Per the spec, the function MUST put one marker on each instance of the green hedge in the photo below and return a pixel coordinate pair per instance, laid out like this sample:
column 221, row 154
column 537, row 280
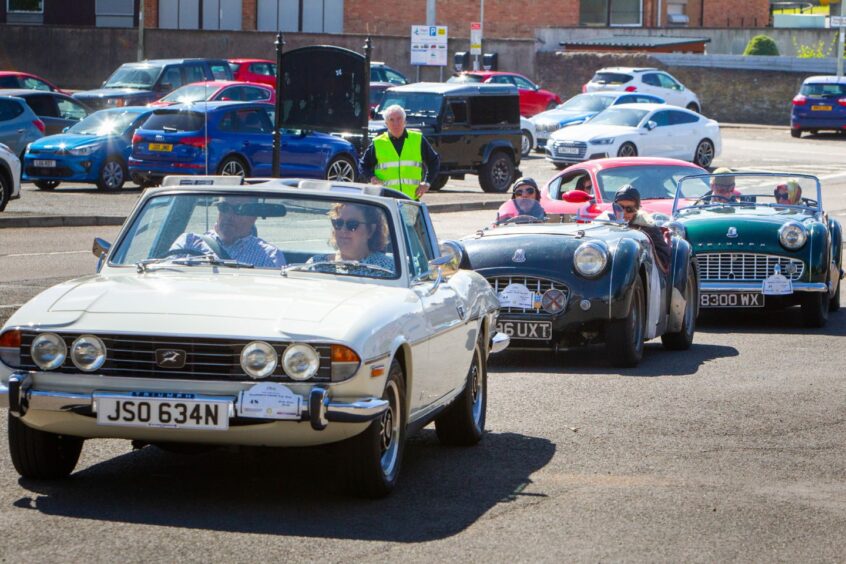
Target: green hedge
column 761, row 45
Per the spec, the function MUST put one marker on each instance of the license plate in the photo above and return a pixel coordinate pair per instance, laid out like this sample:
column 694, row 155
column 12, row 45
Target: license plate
column 568, row 150
column 820, row 108
column 526, row 330
column 731, row 299
column 44, row 164
column 163, row 147
column 168, row 411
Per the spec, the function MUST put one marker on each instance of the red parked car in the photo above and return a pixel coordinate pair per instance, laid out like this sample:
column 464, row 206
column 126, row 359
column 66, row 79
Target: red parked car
column 533, row 98
column 16, row 79
column 254, row 70
column 218, row 90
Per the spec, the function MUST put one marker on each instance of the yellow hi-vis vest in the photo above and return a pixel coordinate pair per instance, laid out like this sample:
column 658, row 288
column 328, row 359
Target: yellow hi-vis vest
column 401, row 172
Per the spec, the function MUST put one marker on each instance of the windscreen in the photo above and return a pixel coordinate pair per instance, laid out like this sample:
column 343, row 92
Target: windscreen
column 611, row 78
column 142, row 77
column 824, row 90
column 653, row 182
column 755, row 193
column 619, row 116
column 104, row 123
column 190, row 93
column 415, row 104
column 587, row 103
column 175, row 121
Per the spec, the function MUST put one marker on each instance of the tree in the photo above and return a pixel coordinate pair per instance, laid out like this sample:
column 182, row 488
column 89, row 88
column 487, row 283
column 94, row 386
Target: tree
column 761, row 45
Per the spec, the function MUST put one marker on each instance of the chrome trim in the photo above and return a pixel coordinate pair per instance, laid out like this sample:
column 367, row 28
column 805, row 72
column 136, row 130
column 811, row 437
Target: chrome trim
column 756, row 287
column 499, row 342
column 746, row 266
column 360, row 411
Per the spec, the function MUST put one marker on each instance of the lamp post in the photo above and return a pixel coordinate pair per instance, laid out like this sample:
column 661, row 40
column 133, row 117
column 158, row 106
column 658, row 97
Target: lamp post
column 141, row 30
column 277, row 118
column 840, row 40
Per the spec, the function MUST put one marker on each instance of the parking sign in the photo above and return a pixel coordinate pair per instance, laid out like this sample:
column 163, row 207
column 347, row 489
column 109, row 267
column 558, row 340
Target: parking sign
column 429, row 45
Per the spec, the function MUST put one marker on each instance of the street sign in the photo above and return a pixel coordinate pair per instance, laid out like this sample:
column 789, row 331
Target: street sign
column 837, row 21
column 476, row 38
column 429, row 45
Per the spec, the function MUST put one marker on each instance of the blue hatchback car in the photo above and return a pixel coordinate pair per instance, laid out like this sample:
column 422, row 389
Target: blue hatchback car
column 233, row 138
column 94, row 150
column 581, row 108
column 820, row 104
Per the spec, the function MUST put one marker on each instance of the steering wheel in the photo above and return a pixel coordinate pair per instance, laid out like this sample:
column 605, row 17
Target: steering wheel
column 189, row 252
column 522, row 218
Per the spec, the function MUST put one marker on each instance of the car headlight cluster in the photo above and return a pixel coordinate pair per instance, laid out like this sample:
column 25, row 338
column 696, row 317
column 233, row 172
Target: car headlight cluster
column 677, row 229
column 591, row 258
column 259, row 359
column 85, row 150
column 49, row 351
column 602, row 141
column 88, row 353
column 300, row 362
column 792, row 235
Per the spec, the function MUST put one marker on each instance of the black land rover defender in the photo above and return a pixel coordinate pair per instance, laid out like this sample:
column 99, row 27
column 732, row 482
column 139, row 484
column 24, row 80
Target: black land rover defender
column 475, row 128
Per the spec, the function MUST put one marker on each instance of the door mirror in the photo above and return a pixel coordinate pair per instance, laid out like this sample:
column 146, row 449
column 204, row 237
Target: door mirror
column 650, row 125
column 575, row 196
column 101, row 249
column 374, row 114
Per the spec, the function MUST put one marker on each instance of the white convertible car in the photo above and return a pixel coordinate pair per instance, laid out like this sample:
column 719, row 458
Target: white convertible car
column 282, row 313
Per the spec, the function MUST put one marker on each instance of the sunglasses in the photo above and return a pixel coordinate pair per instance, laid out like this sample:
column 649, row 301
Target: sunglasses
column 350, row 224
column 781, row 196
column 629, row 209
column 525, row 191
column 224, row 207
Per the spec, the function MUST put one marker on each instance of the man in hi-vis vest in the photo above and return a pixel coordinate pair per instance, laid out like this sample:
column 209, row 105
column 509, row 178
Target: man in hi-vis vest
column 396, row 158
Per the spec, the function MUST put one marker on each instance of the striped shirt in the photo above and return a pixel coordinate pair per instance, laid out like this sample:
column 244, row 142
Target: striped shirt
column 249, row 249
column 376, row 259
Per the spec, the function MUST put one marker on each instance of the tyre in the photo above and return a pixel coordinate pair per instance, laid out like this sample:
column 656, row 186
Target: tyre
column 693, row 107
column 624, row 337
column 552, row 105
column 39, row 455
column 46, row 184
column 112, row 175
column 439, row 183
column 704, row 154
column 463, row 422
column 681, row 340
column 796, row 133
column 815, row 309
column 374, row 457
column 834, row 302
column 233, row 166
column 341, row 168
column 627, row 150
column 496, row 174
column 5, row 191
column 559, row 166
column 528, row 143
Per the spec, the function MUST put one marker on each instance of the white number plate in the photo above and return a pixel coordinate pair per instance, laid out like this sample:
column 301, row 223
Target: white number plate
column 168, row 411
column 731, row 299
column 568, row 150
column 526, row 330
column 44, row 164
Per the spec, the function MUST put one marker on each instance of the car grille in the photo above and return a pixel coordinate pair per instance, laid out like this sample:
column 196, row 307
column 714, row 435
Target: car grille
column 206, row 359
column 746, row 266
column 569, row 150
column 536, row 285
column 58, row 172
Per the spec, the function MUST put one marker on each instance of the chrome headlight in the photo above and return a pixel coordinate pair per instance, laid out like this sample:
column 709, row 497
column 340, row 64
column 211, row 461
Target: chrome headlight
column 85, row 150
column 677, row 229
column 591, row 258
column 602, row 141
column 258, row 359
column 88, row 353
column 48, row 351
column 792, row 235
column 300, row 361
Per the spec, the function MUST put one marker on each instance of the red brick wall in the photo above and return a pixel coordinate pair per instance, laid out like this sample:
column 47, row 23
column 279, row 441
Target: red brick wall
column 248, row 15
column 151, row 13
column 731, row 13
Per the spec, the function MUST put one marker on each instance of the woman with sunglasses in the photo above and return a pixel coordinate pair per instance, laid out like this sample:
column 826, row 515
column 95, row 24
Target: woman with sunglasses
column 788, row 193
column 525, row 200
column 628, row 199
column 359, row 233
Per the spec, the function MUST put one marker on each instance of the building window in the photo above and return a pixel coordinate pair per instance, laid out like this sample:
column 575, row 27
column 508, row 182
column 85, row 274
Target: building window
column 611, row 12
column 115, row 13
column 25, row 6
column 200, row 14
column 309, row 16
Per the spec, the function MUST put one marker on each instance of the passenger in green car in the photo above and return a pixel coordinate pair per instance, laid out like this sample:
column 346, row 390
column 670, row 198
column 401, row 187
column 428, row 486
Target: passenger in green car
column 788, row 193
column 722, row 187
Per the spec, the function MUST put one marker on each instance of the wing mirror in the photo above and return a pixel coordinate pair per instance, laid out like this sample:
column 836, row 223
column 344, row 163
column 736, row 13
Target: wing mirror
column 452, row 254
column 101, row 249
column 575, row 196
column 650, row 125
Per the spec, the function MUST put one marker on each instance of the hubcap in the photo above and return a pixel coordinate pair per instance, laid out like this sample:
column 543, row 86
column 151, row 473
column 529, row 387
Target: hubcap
column 500, row 173
column 112, row 175
column 232, row 168
column 627, row 151
column 705, row 154
column 389, row 431
column 340, row 170
column 526, row 144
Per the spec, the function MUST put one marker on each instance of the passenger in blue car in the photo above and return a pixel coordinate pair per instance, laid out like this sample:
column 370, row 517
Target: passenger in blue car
column 628, row 198
column 360, row 233
column 233, row 237
column 525, row 200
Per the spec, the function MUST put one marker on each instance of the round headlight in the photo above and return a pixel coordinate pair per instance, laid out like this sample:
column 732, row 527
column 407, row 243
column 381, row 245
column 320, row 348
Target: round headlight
column 48, row 351
column 553, row 300
column 300, row 362
column 88, row 353
column 677, row 229
column 258, row 359
column 590, row 258
column 792, row 235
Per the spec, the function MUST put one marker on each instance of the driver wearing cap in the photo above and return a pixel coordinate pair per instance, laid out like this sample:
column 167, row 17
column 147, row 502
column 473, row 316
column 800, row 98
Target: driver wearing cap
column 722, row 187
column 525, row 200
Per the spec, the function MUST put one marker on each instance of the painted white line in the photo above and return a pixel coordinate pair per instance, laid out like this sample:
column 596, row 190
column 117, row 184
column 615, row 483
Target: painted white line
column 46, row 254
column 10, row 306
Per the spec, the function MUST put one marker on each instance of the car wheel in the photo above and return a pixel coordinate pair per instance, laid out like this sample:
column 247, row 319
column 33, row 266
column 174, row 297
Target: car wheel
column 796, row 132
column 834, row 302
column 496, row 174
column 627, row 150
column 112, row 175
column 374, row 457
column 693, row 107
column 681, row 340
column 342, row 169
column 559, row 166
column 704, row 154
column 439, row 183
column 624, row 337
column 39, row 455
column 46, row 184
column 528, row 143
column 552, row 105
column 233, row 166
column 463, row 422
column 5, row 191
column 815, row 309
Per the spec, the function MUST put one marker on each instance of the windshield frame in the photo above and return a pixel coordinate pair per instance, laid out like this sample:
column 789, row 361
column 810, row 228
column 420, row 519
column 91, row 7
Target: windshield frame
column 156, row 69
column 423, row 95
column 620, row 109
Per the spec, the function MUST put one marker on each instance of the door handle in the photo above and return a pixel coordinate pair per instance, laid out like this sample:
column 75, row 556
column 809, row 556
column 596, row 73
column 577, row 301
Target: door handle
column 20, row 130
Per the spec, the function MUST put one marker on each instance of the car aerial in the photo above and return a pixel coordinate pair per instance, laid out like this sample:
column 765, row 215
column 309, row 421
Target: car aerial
column 581, row 108
column 820, row 105
column 215, row 90
column 232, row 138
column 56, row 111
column 563, row 285
column 137, row 84
column 654, row 130
column 529, row 133
column 166, row 345
column 94, row 150
column 755, row 251
column 533, row 98
column 19, row 126
column 380, row 72
column 26, row 81
column 588, row 188
column 648, row 80
column 10, row 176
column 475, row 128
column 262, row 71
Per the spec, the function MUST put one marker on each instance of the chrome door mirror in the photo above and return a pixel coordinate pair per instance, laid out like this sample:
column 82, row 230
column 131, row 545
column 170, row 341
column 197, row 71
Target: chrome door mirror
column 101, row 249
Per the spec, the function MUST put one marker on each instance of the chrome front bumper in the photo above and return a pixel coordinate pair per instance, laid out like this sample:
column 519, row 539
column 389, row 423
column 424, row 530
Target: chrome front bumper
column 319, row 408
column 756, row 287
column 499, row 342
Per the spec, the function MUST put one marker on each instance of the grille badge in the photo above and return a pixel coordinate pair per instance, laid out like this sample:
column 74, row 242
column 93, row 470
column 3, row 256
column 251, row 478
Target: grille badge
column 170, row 358
column 732, row 233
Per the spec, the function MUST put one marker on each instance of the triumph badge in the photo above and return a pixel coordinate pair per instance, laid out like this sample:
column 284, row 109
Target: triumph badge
column 732, row 233
column 170, row 358
column 519, row 256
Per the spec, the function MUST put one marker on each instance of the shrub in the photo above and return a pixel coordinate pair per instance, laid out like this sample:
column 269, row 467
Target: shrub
column 761, row 45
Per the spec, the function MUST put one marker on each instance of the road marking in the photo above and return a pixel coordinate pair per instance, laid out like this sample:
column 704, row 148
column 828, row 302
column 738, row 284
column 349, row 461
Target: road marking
column 10, row 306
column 45, row 254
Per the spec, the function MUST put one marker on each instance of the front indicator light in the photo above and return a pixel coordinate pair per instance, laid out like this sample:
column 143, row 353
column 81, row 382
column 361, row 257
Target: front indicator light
column 345, row 363
column 48, row 351
column 10, row 348
column 88, row 353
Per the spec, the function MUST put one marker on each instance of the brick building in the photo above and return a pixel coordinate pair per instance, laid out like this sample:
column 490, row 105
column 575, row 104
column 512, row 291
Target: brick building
column 502, row 18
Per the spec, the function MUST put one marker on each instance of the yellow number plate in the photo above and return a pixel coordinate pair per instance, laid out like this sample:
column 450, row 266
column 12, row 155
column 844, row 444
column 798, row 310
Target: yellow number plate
column 821, row 108
column 166, row 147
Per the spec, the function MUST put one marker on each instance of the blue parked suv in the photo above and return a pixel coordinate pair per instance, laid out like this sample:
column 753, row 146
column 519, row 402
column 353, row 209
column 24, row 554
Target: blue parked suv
column 232, row 138
column 820, row 104
column 94, row 150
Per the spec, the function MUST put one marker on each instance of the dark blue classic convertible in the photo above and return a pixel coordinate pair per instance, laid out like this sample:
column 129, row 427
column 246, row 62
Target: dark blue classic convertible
column 562, row 285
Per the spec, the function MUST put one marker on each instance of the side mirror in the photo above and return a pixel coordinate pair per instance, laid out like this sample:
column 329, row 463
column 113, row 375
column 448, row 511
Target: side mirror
column 65, row 129
column 575, row 196
column 101, row 249
column 165, row 87
column 453, row 252
column 650, row 125
column 374, row 114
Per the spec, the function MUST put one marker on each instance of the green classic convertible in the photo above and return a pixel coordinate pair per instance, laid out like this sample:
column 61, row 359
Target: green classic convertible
column 761, row 240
